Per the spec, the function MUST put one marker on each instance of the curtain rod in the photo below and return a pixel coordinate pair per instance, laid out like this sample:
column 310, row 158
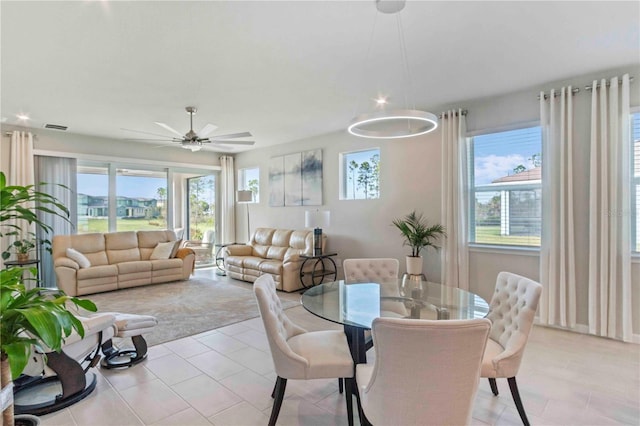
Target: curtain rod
column 463, row 112
column 10, row 133
column 557, row 93
column 589, row 88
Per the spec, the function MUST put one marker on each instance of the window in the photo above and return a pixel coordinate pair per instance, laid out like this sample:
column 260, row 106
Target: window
column 505, row 190
column 201, row 208
column 635, row 200
column 360, row 175
column 249, row 179
column 137, row 200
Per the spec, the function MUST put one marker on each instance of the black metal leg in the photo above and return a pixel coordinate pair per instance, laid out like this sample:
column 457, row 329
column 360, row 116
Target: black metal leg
column 70, row 373
column 141, row 347
column 516, row 398
column 340, row 385
column 494, row 386
column 357, row 345
column 349, row 388
column 281, row 384
column 273, row 392
column 363, row 419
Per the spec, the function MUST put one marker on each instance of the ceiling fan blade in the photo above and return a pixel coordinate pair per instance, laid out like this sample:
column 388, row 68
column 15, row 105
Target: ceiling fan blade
column 206, row 130
column 232, row 136
column 166, row 127
column 226, row 142
column 146, row 133
column 149, row 140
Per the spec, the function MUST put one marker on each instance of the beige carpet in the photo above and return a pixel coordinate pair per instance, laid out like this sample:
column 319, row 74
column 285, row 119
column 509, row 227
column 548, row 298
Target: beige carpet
column 184, row 308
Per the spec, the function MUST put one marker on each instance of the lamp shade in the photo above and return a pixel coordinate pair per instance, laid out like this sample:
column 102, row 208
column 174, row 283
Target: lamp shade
column 317, row 218
column 244, row 196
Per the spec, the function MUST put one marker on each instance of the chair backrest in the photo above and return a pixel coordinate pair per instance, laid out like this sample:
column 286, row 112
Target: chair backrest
column 425, row 371
column 279, row 329
column 370, row 270
column 512, row 311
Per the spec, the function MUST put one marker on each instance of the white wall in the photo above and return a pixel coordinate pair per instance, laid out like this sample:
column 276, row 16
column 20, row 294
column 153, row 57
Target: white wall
column 411, row 179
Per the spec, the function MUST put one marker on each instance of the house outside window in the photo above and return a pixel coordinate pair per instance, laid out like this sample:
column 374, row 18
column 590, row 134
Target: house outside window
column 360, row 174
column 249, row 179
column 506, row 188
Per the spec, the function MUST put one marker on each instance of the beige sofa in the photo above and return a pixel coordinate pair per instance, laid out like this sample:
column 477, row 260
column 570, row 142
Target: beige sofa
column 117, row 260
column 271, row 251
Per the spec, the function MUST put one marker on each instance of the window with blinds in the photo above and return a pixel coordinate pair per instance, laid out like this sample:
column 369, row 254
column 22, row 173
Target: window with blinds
column 505, row 172
column 635, row 173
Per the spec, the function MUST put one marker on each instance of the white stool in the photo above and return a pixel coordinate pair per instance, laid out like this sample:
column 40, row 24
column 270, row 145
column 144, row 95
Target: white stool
column 128, row 325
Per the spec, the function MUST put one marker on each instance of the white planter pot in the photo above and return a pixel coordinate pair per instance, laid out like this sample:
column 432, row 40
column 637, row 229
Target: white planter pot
column 414, row 265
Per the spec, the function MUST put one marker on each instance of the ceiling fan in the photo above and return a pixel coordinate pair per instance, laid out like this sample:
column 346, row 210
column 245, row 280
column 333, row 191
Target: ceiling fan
column 194, row 141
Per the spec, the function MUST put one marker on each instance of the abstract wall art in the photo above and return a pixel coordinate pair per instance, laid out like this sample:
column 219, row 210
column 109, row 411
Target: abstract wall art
column 296, row 179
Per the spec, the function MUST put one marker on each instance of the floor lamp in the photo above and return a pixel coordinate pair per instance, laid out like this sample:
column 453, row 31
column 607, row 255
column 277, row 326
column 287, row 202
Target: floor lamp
column 245, row 196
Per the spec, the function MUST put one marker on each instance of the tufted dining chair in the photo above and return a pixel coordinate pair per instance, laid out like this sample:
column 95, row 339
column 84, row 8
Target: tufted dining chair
column 511, row 311
column 425, row 371
column 378, row 270
column 298, row 353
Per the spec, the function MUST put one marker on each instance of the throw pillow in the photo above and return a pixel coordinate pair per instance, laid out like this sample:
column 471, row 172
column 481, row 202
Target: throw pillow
column 176, row 246
column 78, row 257
column 162, row 250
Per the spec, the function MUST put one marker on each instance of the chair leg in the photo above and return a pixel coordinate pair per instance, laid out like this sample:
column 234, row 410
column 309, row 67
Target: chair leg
column 363, row 419
column 273, row 392
column 340, row 385
column 281, row 384
column 494, row 386
column 516, row 398
column 349, row 396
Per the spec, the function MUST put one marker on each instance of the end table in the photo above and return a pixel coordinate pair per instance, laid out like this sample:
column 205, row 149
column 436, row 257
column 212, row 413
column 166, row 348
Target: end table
column 220, row 258
column 324, row 266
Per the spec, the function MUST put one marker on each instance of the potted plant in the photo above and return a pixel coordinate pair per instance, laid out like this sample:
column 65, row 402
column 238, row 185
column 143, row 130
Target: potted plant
column 21, row 247
column 418, row 235
column 29, row 317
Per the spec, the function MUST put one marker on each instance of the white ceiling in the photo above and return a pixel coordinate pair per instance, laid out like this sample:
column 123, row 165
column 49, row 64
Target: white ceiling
column 286, row 70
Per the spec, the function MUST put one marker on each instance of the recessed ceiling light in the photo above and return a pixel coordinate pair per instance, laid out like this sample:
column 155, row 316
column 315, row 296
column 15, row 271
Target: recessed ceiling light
column 22, row 116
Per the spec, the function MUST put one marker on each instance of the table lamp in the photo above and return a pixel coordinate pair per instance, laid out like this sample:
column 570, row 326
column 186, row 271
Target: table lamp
column 245, row 196
column 317, row 219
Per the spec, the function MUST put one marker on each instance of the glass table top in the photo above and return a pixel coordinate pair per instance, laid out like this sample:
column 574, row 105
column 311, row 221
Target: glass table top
column 358, row 304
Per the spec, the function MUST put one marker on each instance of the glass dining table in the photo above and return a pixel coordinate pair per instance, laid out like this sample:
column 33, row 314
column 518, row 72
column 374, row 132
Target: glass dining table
column 356, row 305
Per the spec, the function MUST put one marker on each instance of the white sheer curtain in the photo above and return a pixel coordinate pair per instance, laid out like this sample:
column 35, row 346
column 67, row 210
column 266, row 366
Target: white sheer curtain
column 455, row 269
column 51, row 172
column 609, row 207
column 228, row 214
column 557, row 251
column 21, row 170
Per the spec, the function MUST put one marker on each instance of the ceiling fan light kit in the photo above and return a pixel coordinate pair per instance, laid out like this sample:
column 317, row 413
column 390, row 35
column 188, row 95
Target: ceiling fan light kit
column 393, row 124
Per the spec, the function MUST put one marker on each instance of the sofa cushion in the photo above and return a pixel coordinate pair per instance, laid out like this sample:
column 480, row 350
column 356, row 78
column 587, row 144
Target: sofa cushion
column 299, row 239
column 92, row 246
column 281, row 237
column 78, row 257
column 148, row 240
column 133, row 267
column 275, row 252
column 122, row 247
column 252, row 262
column 271, row 267
column 98, row 272
column 160, row 264
column 263, row 236
column 163, row 250
column 260, row 251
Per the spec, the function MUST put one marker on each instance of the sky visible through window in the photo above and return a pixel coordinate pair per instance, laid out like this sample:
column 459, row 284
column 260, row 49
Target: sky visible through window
column 145, row 187
column 497, row 154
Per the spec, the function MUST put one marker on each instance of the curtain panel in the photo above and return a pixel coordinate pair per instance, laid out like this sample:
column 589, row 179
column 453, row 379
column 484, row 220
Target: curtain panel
column 21, row 169
column 228, row 214
column 557, row 251
column 51, row 173
column 455, row 250
column 610, row 312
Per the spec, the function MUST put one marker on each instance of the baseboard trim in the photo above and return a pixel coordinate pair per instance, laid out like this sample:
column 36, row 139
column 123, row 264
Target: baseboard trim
column 584, row 329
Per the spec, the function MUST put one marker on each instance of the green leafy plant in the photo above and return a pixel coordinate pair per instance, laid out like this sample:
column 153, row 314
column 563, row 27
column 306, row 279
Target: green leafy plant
column 33, row 317
column 22, row 246
column 417, row 233
column 30, row 317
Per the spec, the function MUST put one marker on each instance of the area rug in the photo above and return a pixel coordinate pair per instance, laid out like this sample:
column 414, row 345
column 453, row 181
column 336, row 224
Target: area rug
column 184, row 308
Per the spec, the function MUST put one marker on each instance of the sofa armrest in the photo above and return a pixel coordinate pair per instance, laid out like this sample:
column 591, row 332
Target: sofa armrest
column 238, row 250
column 65, row 261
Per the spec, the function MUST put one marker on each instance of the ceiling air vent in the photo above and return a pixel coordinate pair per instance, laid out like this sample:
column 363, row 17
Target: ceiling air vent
column 55, row 127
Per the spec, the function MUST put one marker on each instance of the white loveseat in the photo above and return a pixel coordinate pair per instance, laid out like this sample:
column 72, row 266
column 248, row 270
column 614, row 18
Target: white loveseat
column 271, row 251
column 117, row 260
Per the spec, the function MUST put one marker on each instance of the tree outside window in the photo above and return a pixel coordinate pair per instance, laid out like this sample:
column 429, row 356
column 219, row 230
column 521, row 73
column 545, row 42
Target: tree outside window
column 361, row 175
column 249, row 179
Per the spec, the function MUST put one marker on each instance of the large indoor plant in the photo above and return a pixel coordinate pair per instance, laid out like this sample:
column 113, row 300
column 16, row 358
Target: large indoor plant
column 29, row 317
column 418, row 234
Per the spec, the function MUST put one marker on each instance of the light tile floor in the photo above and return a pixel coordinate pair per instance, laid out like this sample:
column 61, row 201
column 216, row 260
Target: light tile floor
column 225, row 377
